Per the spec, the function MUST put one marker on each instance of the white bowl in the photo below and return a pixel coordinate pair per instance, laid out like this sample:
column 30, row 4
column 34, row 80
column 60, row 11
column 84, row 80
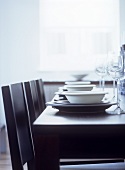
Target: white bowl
column 79, row 76
column 77, row 82
column 87, row 97
column 80, row 87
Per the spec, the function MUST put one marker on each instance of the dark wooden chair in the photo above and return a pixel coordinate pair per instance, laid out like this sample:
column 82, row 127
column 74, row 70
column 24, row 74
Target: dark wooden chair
column 41, row 94
column 20, row 135
column 18, row 127
column 35, row 98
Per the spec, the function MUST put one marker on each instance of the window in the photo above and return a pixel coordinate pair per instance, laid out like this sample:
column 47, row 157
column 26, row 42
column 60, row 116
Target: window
column 73, row 33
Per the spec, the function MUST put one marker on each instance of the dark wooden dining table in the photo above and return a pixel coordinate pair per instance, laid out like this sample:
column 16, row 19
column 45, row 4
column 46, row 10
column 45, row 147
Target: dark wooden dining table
column 78, row 135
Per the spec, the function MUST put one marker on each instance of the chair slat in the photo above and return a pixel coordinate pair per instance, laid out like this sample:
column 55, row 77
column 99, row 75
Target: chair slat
column 35, row 98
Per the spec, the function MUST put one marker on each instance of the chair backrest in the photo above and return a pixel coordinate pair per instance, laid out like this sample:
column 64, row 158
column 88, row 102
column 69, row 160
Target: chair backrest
column 29, row 99
column 18, row 127
column 41, row 94
column 35, row 97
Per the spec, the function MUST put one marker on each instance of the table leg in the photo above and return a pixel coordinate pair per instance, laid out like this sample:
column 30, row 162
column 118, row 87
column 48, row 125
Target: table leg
column 46, row 152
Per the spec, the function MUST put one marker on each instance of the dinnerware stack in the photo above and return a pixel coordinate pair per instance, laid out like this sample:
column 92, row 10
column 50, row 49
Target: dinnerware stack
column 83, row 93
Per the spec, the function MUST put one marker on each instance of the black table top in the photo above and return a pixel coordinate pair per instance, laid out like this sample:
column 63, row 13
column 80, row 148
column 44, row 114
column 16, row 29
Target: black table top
column 53, row 121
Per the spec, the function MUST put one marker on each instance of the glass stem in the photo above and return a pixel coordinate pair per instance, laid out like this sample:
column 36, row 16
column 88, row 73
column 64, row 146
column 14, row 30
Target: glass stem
column 100, row 83
column 103, row 83
column 113, row 88
column 118, row 101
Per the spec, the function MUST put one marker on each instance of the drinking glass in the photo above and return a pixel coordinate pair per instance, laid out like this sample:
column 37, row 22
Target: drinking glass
column 101, row 71
column 111, row 57
column 115, row 68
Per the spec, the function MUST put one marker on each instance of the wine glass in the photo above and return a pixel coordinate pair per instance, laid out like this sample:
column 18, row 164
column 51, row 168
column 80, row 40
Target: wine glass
column 115, row 68
column 111, row 57
column 101, row 70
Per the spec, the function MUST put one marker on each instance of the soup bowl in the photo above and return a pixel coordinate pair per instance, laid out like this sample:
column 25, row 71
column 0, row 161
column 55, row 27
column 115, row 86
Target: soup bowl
column 81, row 87
column 85, row 97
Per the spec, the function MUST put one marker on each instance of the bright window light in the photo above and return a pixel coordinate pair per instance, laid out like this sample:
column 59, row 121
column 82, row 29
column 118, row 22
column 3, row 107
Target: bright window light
column 73, row 33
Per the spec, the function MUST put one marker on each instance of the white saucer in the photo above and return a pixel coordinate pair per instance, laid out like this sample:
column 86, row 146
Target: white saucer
column 77, row 82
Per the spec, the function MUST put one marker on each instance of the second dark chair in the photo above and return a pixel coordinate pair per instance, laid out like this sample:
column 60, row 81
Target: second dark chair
column 41, row 94
column 34, row 92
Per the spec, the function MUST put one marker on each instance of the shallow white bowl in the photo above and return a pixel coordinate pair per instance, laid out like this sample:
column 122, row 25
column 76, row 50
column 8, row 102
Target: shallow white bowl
column 79, row 76
column 77, row 82
column 80, row 87
column 86, row 97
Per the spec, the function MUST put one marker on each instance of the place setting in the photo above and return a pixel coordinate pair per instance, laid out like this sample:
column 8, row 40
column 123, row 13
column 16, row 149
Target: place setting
column 81, row 97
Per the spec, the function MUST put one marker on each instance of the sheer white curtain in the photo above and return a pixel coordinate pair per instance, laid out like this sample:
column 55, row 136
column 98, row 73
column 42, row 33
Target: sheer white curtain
column 74, row 32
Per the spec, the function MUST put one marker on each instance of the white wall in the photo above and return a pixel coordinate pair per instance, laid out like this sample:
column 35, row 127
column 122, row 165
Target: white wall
column 122, row 23
column 19, row 42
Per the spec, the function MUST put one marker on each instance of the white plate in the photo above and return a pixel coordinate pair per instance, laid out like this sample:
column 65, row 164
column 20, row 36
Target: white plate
column 77, row 82
column 65, row 106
